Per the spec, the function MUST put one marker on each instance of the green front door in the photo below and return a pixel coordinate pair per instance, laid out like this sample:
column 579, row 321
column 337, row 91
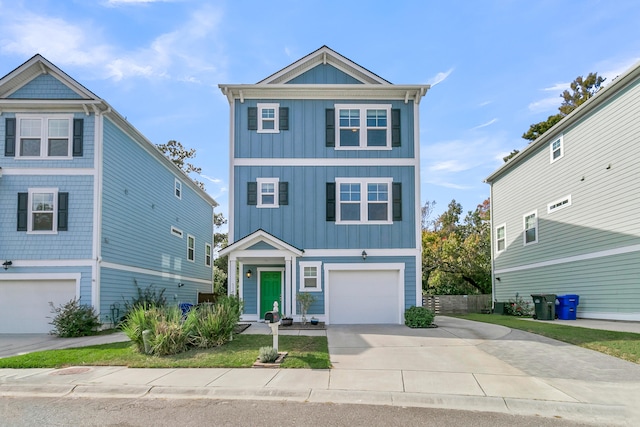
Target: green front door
column 270, row 291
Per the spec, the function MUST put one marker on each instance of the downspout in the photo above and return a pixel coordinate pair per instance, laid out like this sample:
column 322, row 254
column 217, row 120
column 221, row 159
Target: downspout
column 493, row 280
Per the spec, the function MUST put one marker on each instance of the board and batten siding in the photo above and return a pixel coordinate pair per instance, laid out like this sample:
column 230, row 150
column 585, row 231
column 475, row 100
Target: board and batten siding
column 324, row 74
column 305, row 138
column 599, row 170
column 302, row 223
column 139, row 209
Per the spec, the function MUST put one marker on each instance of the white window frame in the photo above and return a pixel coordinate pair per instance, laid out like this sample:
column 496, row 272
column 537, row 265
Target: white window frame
column 276, row 193
column 276, row 118
column 44, row 136
column 175, row 231
column 364, row 199
column 535, row 227
column 498, row 239
column 191, row 249
column 559, row 204
column 560, row 140
column 363, row 125
column 54, row 225
column 177, row 189
column 311, row 264
column 208, row 254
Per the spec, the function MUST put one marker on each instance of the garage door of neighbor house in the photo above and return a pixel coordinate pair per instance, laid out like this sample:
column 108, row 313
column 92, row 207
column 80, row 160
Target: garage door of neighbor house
column 364, row 296
column 24, row 304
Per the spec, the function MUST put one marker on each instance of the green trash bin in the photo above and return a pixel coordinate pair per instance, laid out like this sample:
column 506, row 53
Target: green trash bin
column 545, row 306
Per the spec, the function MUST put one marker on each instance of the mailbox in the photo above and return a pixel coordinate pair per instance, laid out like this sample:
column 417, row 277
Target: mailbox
column 272, row 317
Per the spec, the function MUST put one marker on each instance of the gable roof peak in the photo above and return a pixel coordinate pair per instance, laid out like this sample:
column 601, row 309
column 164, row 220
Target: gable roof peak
column 324, row 55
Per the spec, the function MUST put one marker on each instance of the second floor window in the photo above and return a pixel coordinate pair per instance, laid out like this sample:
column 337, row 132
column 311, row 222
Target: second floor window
column 531, row 228
column 44, row 136
column 268, row 118
column 364, row 200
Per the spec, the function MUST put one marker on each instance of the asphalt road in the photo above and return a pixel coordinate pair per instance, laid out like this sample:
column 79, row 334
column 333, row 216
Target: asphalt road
column 67, row 411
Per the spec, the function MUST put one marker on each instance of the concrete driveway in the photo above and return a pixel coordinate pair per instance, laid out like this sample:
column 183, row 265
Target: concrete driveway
column 16, row 344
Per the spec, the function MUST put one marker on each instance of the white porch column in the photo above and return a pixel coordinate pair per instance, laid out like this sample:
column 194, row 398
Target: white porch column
column 287, row 310
column 231, row 277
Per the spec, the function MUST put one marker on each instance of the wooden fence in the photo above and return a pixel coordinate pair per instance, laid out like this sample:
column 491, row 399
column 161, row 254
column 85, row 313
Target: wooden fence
column 456, row 304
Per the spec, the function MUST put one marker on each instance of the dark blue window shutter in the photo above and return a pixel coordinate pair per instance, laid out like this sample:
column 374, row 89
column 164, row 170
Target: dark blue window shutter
column 10, row 138
column 397, row 201
column 284, row 118
column 63, row 211
column 23, row 211
column 283, row 193
column 78, row 132
column 331, row 201
column 252, row 115
column 330, row 136
column 252, row 193
column 395, row 128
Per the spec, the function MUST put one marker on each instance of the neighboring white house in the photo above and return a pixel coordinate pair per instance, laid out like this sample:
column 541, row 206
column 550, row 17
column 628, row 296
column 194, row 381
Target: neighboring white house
column 566, row 210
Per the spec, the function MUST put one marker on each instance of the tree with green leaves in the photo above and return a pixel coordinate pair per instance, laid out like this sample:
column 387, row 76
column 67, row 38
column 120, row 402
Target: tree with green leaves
column 456, row 255
column 579, row 92
column 178, row 154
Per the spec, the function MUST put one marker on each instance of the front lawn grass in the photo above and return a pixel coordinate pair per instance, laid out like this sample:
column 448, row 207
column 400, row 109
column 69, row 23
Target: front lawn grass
column 624, row 345
column 242, row 352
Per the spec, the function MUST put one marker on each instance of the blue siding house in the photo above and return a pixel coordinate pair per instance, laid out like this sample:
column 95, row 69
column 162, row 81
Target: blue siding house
column 325, row 192
column 89, row 208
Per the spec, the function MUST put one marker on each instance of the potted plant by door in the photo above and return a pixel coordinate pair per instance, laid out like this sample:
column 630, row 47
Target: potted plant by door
column 287, row 321
column 314, row 321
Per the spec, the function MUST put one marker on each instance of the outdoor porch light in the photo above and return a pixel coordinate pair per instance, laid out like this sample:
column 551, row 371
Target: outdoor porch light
column 249, row 274
column 6, row 264
column 364, row 255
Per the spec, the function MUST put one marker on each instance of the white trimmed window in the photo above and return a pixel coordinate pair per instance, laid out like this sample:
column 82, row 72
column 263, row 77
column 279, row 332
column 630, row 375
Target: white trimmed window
column 559, row 204
column 268, row 192
column 363, row 126
column 44, row 136
column 178, row 189
column 268, row 118
column 176, row 232
column 501, row 238
column 365, row 200
column 43, row 210
column 310, row 276
column 530, row 221
column 556, row 149
column 207, row 254
column 191, row 248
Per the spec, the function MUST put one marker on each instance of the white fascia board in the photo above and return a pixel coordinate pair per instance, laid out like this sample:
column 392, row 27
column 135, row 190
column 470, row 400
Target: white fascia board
column 387, row 252
column 315, row 91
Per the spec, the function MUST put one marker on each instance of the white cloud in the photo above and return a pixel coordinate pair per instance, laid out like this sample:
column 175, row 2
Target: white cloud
column 213, row 180
column 558, row 87
column 185, row 54
column 546, row 104
column 489, row 123
column 440, row 77
column 119, row 2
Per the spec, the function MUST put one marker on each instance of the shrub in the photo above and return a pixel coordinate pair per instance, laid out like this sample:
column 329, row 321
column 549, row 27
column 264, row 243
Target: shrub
column 147, row 298
column 137, row 321
column 267, row 354
column 74, row 320
column 518, row 307
column 168, row 336
column 418, row 317
column 305, row 300
column 212, row 325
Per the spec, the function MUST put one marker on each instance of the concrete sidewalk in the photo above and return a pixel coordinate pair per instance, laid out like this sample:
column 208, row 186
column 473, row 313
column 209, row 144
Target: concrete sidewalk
column 459, row 365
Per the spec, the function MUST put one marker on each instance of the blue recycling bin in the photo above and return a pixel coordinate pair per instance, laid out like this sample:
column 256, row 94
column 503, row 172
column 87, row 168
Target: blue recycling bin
column 567, row 306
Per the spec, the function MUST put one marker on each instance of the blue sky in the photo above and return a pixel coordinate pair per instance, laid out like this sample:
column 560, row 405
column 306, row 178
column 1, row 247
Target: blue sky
column 495, row 66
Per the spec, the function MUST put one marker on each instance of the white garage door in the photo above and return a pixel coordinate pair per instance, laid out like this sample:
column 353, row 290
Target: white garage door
column 24, row 304
column 364, row 297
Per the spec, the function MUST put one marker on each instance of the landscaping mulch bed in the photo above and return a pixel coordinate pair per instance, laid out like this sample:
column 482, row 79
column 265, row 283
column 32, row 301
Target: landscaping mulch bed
column 240, row 328
column 297, row 325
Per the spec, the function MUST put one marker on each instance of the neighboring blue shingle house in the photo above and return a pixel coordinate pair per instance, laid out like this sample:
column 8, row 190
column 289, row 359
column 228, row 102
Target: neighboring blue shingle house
column 88, row 206
column 325, row 192
column 565, row 209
